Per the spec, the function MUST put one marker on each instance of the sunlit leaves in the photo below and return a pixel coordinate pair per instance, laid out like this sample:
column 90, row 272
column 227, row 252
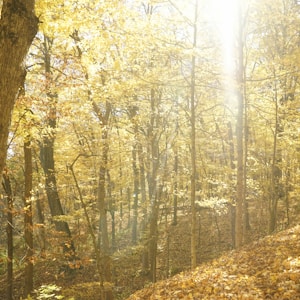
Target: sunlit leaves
column 266, row 269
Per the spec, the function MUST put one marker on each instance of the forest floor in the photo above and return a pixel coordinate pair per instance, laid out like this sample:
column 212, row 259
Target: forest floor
column 265, row 269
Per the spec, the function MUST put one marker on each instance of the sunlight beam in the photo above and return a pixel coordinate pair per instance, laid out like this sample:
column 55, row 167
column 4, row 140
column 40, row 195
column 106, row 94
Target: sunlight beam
column 224, row 15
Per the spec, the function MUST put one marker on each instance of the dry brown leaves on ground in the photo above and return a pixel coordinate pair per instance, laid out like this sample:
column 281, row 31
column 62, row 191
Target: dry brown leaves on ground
column 266, row 269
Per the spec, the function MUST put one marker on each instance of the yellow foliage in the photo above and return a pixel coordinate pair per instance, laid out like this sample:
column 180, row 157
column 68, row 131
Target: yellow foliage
column 252, row 273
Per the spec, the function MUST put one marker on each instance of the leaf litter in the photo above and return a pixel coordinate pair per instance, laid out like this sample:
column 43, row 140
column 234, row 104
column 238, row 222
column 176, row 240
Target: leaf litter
column 266, row 269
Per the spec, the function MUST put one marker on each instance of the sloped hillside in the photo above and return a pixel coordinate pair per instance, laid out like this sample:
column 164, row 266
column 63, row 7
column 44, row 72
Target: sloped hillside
column 266, row 269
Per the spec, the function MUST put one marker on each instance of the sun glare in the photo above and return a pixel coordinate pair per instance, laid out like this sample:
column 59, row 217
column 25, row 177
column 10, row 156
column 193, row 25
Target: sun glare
column 222, row 18
column 224, row 14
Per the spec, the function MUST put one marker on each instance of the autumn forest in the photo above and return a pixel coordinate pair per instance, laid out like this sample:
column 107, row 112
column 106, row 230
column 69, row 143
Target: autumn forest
column 148, row 138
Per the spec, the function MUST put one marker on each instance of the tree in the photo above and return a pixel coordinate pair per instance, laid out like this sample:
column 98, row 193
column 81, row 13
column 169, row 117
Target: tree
column 28, row 222
column 47, row 154
column 240, row 85
column 275, row 74
column 9, row 228
column 193, row 144
column 132, row 114
column 154, row 184
column 148, row 106
column 18, row 26
column 103, row 238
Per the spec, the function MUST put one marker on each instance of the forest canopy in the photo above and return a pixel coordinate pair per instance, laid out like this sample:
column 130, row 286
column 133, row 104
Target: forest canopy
column 137, row 118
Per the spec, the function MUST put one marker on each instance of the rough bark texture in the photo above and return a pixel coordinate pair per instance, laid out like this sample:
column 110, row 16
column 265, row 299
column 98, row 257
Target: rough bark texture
column 47, row 161
column 18, row 26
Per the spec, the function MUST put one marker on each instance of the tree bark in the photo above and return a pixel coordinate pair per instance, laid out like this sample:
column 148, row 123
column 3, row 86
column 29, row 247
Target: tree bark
column 28, row 223
column 276, row 172
column 240, row 193
column 144, row 204
column 154, row 158
column 132, row 112
column 9, row 228
column 41, row 221
column 193, row 148
column 103, row 239
column 232, row 166
column 47, row 158
column 134, row 233
column 18, row 26
column 175, row 169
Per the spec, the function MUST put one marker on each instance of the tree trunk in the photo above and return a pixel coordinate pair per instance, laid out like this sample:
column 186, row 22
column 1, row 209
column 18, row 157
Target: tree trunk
column 47, row 161
column 276, row 172
column 103, row 239
column 132, row 112
column 112, row 209
column 232, row 166
column 175, row 169
column 240, row 134
column 153, row 138
column 90, row 228
column 287, row 189
column 28, row 223
column 175, row 193
column 9, row 228
column 193, row 149
column 18, row 27
column 135, row 195
column 41, row 220
column 153, row 235
column 144, row 204
column 47, row 158
column 246, row 224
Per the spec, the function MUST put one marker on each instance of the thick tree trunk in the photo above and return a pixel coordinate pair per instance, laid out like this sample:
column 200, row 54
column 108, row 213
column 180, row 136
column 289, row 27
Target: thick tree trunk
column 47, row 158
column 47, row 161
column 18, row 26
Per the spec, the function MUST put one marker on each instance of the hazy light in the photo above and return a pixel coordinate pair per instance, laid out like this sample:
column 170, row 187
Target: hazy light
column 221, row 16
column 224, row 14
